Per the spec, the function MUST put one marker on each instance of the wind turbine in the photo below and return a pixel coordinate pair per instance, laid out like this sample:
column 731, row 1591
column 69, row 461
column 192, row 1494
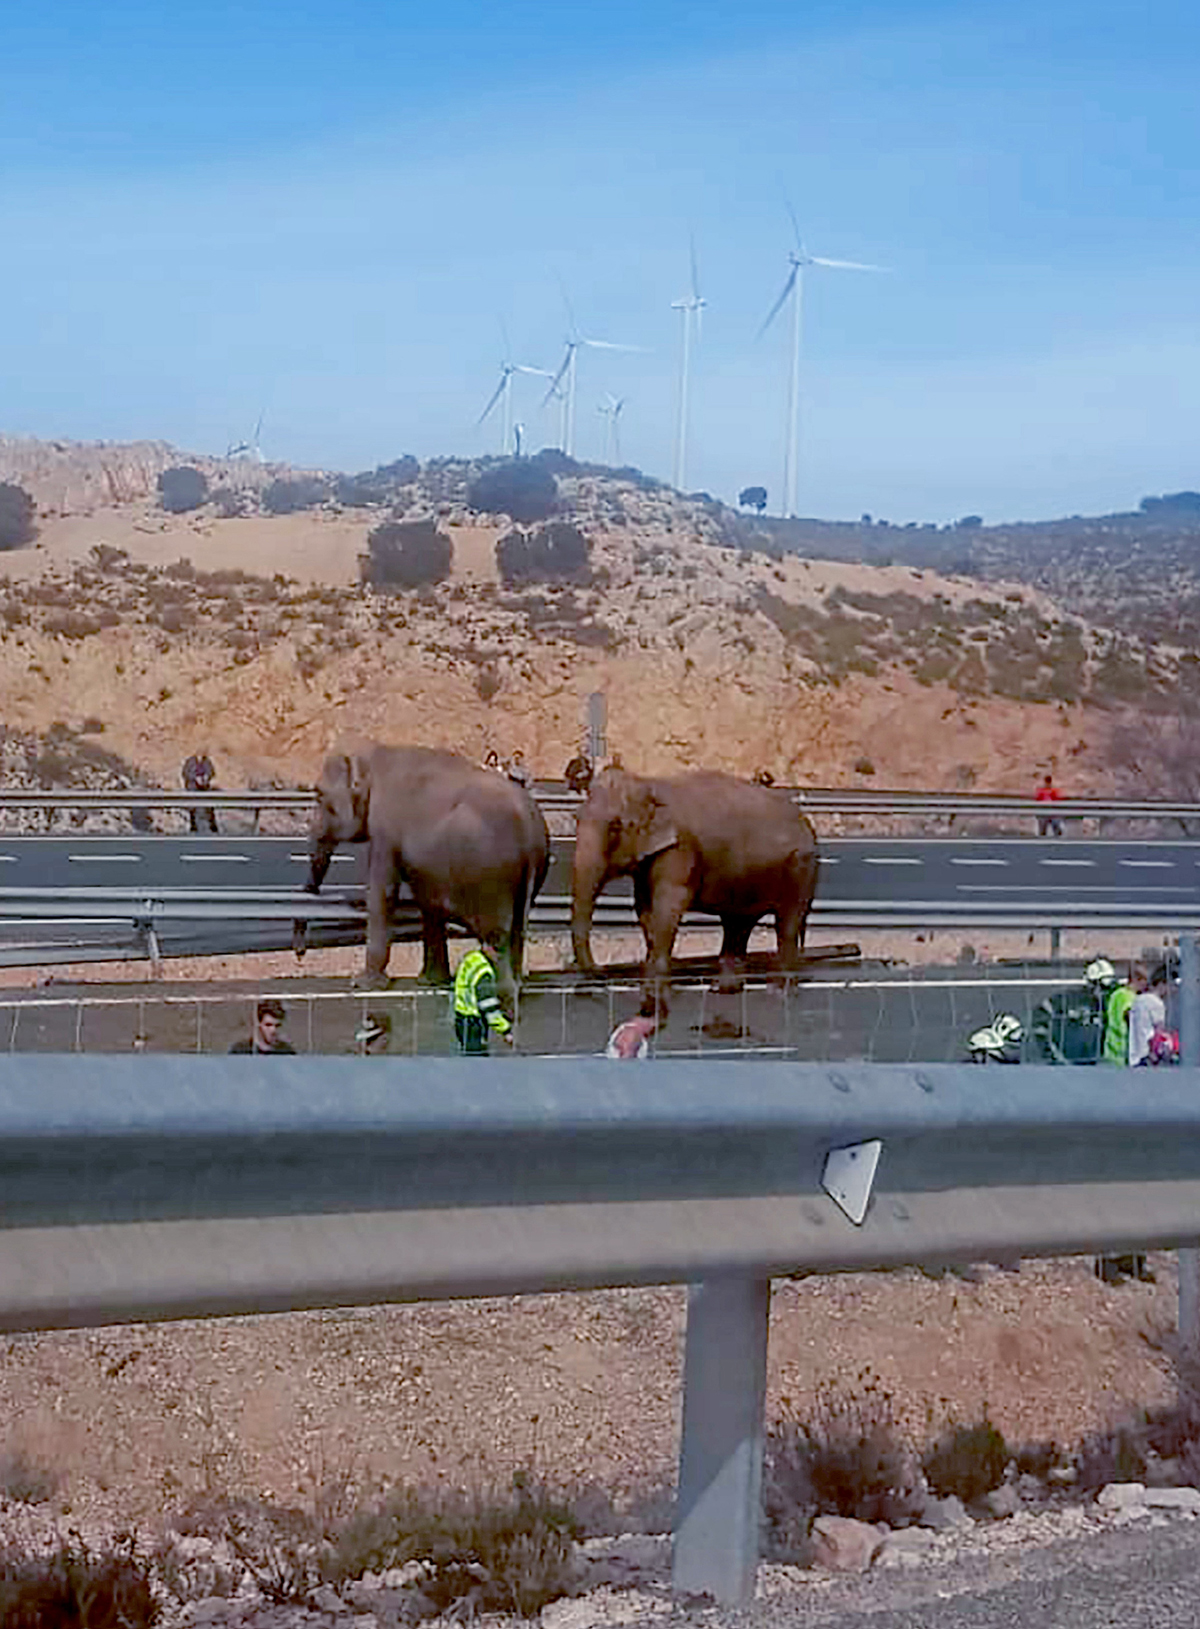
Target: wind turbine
column 799, row 261
column 612, row 407
column 563, row 383
column 251, row 448
column 691, row 307
column 503, row 395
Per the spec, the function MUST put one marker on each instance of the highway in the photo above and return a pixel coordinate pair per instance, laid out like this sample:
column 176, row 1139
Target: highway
column 962, row 873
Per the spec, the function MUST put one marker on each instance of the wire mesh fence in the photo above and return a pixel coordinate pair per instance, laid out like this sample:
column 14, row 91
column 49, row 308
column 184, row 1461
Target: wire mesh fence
column 919, row 1016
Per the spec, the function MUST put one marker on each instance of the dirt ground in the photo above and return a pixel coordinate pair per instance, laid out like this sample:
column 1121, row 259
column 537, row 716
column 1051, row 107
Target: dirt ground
column 137, row 1420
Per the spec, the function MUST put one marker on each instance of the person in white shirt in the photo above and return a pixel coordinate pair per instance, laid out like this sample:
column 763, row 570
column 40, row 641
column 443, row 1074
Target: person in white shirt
column 1147, row 1016
column 631, row 1039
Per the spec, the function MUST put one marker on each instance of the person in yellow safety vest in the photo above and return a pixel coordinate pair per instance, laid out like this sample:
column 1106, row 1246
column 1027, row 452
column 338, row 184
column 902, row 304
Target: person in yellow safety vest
column 477, row 1007
column 1116, row 1017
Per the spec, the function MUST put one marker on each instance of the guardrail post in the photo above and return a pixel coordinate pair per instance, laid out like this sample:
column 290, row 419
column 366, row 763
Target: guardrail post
column 1189, row 1054
column 720, row 1460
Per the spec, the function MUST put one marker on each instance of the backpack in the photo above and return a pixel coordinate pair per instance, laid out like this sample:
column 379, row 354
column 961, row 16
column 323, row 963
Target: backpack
column 1068, row 1027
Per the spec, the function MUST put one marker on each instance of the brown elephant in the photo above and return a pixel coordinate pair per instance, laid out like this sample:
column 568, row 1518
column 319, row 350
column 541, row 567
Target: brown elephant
column 472, row 846
column 703, row 841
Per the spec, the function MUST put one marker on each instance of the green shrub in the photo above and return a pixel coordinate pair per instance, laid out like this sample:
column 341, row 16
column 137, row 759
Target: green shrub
column 73, row 1588
column 847, row 1459
column 967, row 1460
column 524, row 489
column 17, row 513
column 555, row 553
column 182, row 488
column 405, row 554
column 290, row 496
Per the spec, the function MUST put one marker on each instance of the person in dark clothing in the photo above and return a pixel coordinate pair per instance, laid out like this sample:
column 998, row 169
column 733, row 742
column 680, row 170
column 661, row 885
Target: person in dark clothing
column 198, row 775
column 578, row 773
column 268, row 1021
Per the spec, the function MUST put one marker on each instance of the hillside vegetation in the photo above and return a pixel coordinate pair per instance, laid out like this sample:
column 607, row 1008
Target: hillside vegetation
column 284, row 606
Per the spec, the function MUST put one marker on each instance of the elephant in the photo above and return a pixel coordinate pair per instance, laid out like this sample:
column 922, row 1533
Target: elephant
column 706, row 841
column 472, row 846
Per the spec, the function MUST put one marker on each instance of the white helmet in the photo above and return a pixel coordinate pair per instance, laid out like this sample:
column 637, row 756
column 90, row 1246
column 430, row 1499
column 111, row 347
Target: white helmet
column 1100, row 971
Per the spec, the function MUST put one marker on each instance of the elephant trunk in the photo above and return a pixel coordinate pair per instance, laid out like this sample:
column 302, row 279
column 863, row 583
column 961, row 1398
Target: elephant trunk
column 590, row 874
column 320, row 852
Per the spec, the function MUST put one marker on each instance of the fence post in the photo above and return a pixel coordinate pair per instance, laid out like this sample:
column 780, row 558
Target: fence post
column 720, row 1458
column 1189, row 1055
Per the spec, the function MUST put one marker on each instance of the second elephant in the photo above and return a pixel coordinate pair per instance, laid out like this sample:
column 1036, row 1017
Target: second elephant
column 704, row 841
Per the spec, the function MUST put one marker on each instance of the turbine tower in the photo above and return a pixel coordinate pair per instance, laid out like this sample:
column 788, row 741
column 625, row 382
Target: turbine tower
column 691, row 307
column 503, row 395
column 563, row 383
column 612, row 407
column 799, row 261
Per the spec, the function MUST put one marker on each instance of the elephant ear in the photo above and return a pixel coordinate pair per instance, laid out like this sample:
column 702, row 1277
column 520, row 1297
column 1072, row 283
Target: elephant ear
column 649, row 827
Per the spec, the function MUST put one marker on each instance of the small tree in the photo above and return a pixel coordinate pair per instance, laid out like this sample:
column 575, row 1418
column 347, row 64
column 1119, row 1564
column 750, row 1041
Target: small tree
column 554, row 553
column 182, row 488
column 524, row 490
column 753, row 497
column 969, row 523
column 405, row 554
column 17, row 513
column 380, row 485
column 288, row 497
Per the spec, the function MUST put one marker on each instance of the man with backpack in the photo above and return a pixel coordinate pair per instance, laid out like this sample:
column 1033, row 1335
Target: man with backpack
column 1069, row 1026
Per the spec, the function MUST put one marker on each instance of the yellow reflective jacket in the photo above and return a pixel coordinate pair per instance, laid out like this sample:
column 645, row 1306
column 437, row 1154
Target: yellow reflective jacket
column 475, row 992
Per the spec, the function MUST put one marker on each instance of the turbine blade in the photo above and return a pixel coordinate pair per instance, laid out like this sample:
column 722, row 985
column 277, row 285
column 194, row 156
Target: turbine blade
column 558, row 377
column 844, row 265
column 781, row 301
column 611, row 345
column 566, row 299
column 787, row 204
column 541, row 373
column 695, row 272
column 495, row 397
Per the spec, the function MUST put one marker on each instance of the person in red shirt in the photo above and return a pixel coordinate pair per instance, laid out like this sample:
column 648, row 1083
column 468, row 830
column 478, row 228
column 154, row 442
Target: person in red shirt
column 1047, row 792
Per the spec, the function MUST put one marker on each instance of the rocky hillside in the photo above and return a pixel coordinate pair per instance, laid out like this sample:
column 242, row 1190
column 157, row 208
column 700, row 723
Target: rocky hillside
column 257, row 634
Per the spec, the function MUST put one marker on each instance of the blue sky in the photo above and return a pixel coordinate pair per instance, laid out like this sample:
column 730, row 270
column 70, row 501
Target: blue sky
column 328, row 212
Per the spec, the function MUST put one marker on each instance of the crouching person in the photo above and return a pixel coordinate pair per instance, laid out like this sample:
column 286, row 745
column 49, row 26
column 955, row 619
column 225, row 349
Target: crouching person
column 478, row 1011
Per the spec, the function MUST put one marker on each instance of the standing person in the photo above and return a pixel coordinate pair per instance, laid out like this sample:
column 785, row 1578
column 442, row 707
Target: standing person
column 268, row 1021
column 1116, row 1017
column 477, row 1006
column 1047, row 792
column 631, row 1039
column 198, row 775
column 515, row 769
column 1147, row 1018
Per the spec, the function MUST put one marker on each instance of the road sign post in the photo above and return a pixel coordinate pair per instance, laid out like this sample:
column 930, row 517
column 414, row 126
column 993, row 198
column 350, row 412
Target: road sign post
column 597, row 723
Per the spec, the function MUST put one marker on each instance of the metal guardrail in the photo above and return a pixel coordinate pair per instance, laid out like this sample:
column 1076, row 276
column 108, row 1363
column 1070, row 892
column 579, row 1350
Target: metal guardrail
column 834, row 800
column 552, row 913
column 146, row 1188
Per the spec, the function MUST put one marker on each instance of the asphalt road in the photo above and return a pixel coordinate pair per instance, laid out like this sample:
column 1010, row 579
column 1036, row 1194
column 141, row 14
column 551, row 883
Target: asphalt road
column 855, row 869
column 1130, row 1578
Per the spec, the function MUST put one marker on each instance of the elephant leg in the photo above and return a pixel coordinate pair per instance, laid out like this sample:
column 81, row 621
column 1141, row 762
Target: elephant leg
column 382, row 881
column 642, row 906
column 789, row 934
column 735, row 942
column 661, row 924
column 435, row 968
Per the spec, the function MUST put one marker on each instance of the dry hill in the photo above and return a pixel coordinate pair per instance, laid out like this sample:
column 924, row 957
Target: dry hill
column 253, row 632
